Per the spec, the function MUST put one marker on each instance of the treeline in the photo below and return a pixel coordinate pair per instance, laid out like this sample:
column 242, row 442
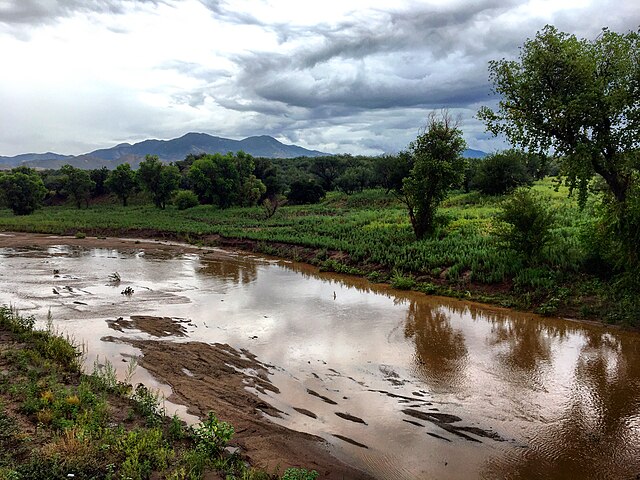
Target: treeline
column 241, row 180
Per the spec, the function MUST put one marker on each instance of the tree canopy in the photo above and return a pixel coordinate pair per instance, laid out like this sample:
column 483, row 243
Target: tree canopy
column 576, row 97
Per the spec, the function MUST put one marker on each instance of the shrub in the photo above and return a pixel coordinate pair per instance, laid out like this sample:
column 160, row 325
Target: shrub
column 305, row 191
column 185, row 199
column 527, row 222
column 501, row 173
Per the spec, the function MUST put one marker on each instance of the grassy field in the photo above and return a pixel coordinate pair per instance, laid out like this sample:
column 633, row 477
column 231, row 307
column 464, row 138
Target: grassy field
column 369, row 234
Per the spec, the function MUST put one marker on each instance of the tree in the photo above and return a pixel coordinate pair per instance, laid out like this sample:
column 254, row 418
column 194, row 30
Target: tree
column 99, row 177
column 437, row 167
column 77, row 184
column 305, row 190
column 328, row 169
column 22, row 190
column 391, row 170
column 576, row 97
column 502, row 172
column 226, row 180
column 158, row 179
column 122, row 182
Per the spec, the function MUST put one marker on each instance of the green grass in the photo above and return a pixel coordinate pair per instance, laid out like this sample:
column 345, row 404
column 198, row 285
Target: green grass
column 372, row 232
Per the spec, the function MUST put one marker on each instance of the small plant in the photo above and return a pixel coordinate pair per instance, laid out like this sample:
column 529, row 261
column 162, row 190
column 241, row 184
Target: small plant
column 147, row 404
column 299, row 474
column 401, row 282
column 81, row 235
column 212, row 435
column 185, row 199
column 114, row 278
column 127, row 291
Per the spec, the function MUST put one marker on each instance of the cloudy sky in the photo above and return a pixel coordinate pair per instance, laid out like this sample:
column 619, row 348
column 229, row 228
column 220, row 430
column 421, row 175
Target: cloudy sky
column 356, row 76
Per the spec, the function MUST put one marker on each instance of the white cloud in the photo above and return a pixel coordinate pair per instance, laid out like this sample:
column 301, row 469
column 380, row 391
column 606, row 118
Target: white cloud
column 344, row 76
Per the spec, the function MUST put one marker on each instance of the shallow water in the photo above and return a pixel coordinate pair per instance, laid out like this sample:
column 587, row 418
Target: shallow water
column 403, row 385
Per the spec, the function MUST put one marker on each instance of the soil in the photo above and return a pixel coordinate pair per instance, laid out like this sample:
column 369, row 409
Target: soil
column 217, row 378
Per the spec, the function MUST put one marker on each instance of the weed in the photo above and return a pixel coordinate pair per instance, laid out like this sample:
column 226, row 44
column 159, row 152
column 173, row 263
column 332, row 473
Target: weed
column 299, row 474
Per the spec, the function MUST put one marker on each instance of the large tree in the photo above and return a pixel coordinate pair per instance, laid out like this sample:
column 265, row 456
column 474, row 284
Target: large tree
column 578, row 98
column 77, row 184
column 122, row 182
column 437, row 167
column 22, row 190
column 158, row 179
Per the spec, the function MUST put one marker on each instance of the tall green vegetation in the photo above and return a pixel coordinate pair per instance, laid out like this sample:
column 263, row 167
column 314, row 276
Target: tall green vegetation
column 579, row 98
column 437, row 167
column 122, row 182
column 77, row 184
column 226, row 180
column 22, row 190
column 158, row 179
column 501, row 172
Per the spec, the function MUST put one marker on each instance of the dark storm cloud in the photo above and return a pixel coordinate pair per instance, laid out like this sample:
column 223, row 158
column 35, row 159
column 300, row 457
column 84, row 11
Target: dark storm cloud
column 16, row 12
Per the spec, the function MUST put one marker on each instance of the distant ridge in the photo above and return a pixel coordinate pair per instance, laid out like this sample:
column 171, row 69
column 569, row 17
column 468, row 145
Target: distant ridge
column 167, row 150
column 171, row 151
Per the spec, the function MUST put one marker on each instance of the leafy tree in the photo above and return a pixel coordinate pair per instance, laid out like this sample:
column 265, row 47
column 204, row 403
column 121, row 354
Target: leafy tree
column 270, row 175
column 99, row 177
column 502, row 172
column 226, row 180
column 77, row 184
column 437, row 167
column 22, row 190
column 122, row 182
column 158, row 179
column 391, row 170
column 305, row 190
column 355, row 179
column 576, row 97
column 328, row 169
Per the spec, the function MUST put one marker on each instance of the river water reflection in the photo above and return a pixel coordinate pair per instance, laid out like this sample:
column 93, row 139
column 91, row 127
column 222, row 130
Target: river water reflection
column 402, row 385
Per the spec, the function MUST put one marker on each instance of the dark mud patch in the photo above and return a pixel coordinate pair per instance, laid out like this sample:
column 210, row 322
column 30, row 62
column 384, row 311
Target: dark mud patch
column 155, row 326
column 223, row 381
column 306, row 412
column 321, row 397
column 349, row 440
column 445, row 421
column 351, row 418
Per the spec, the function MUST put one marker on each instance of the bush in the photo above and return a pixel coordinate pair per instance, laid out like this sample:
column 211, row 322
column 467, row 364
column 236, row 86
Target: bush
column 527, row 222
column 185, row 199
column 501, row 173
column 305, row 191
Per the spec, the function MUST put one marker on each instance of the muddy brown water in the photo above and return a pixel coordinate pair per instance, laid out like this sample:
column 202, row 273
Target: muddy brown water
column 401, row 385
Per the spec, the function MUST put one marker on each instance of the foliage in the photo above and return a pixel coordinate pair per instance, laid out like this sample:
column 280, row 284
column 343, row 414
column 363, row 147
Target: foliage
column 391, row 170
column 212, row 435
column 270, row 205
column 327, row 170
column 122, row 182
column 294, row 473
column 438, row 166
column 576, row 97
column 99, row 177
column 355, row 179
column 185, row 199
column 305, row 191
column 158, row 179
column 226, row 180
column 77, row 184
column 22, row 190
column 501, row 173
column 529, row 222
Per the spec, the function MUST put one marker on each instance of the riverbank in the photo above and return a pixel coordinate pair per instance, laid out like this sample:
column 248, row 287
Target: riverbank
column 368, row 234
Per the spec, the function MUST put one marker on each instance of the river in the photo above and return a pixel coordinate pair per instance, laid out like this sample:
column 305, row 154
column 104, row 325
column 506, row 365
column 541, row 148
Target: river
column 400, row 384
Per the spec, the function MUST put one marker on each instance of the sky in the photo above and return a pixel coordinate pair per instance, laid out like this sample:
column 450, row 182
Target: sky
column 339, row 76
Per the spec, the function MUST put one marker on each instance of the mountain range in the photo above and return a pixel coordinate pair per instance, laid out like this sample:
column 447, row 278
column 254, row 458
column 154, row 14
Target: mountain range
column 170, row 151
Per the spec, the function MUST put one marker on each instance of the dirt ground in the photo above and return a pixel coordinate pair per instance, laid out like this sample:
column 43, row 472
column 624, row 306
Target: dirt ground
column 213, row 378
